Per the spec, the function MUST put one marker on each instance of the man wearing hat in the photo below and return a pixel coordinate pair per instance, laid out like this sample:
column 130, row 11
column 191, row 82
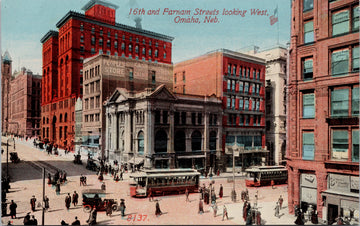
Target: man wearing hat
column 33, row 203
column 68, row 201
column 76, row 222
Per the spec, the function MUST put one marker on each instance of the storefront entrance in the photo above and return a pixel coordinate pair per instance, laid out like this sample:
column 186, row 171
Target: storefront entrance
column 332, row 213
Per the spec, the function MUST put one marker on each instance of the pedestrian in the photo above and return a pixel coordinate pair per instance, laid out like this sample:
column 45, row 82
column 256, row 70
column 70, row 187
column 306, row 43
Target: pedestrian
column 101, row 177
column 57, row 189
column 314, row 217
column 258, row 218
column 201, row 207
column 121, row 175
column 68, row 201
column 299, row 220
column 49, row 179
column 63, row 223
column 13, row 207
column 151, row 198
column 46, row 202
column 34, row 221
column 244, row 210
column 122, row 207
column 281, row 200
column 33, row 203
column 27, row 219
column 157, row 209
column 215, row 208
column 75, row 198
column 225, row 213
column 248, row 219
column 277, row 210
column 213, row 198
column 76, row 222
column 187, row 195
column 92, row 216
column 103, row 186
column 221, row 191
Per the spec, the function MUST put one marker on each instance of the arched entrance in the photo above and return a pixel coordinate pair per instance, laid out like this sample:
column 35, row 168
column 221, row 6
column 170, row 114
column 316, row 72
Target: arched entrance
column 54, row 128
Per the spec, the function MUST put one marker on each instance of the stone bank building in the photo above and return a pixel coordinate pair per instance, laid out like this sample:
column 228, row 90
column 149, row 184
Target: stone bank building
column 162, row 129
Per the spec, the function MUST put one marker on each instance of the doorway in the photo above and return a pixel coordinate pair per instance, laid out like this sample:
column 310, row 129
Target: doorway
column 333, row 211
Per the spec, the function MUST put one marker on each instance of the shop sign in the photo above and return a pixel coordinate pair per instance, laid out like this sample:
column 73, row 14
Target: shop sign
column 339, row 182
column 308, row 180
column 309, row 195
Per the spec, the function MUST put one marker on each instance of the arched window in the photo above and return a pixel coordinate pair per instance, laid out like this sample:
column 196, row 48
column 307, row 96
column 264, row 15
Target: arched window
column 144, row 51
column 60, row 118
column 65, row 117
column 141, row 143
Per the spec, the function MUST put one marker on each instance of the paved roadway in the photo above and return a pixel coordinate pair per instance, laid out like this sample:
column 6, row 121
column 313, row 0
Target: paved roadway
column 27, row 181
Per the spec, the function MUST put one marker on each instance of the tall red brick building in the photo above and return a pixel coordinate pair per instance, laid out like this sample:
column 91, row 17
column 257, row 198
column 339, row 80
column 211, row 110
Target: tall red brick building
column 80, row 36
column 238, row 79
column 323, row 108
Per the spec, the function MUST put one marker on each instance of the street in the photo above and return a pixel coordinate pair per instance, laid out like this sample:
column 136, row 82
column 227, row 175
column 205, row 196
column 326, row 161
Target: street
column 26, row 180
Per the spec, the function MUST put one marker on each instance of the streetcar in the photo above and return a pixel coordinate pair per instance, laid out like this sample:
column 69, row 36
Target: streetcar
column 265, row 175
column 162, row 182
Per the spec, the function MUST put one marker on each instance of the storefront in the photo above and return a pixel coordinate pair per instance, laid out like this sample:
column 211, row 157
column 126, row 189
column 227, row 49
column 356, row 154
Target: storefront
column 341, row 198
column 308, row 191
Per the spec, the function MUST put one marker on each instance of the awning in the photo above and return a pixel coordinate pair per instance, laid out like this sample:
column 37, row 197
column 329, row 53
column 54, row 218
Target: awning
column 137, row 160
column 190, row 156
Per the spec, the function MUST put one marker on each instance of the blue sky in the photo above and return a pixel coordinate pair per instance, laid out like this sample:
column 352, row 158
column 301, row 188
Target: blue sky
column 25, row 22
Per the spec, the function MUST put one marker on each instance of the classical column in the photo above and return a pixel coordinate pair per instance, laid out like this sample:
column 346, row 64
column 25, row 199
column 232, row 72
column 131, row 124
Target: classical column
column 148, row 136
column 170, row 148
column 127, row 134
column 107, row 131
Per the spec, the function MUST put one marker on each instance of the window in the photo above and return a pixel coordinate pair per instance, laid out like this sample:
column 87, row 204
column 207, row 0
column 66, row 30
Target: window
column 108, row 43
column 183, row 76
column 108, row 52
column 92, row 40
column 241, row 85
column 308, row 148
column 123, row 37
column 246, row 104
column 355, row 146
column 355, row 19
column 241, row 104
column 130, row 48
column 309, row 32
column 81, row 27
column 309, row 105
column 308, row 5
column 150, row 53
column 246, row 87
column 229, row 69
column 164, row 55
column 199, row 118
column 228, row 103
column 254, row 74
column 233, row 86
column 131, row 74
column 82, row 38
column 100, row 42
column 153, row 79
column 340, row 62
column 234, row 70
column 116, row 35
column 92, row 50
column 355, row 102
column 165, row 117
column 193, row 118
column 340, row 22
column 339, row 102
column 340, row 145
column 228, row 85
column 136, row 49
column 109, row 34
column 308, row 69
column 253, row 88
column 233, row 103
column 248, row 73
column 92, row 30
column 101, row 32
column 82, row 49
column 123, row 46
column 355, row 59
column 258, row 75
column 115, row 44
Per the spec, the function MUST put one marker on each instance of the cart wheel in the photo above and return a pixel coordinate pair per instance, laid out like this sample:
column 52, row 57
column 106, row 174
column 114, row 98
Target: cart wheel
column 87, row 209
column 114, row 207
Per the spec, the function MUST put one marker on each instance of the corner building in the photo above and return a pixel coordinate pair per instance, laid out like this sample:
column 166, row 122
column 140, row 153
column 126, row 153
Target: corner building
column 80, row 36
column 323, row 109
column 238, row 80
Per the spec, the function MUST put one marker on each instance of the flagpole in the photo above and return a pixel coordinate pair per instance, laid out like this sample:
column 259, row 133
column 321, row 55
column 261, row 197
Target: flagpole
column 277, row 10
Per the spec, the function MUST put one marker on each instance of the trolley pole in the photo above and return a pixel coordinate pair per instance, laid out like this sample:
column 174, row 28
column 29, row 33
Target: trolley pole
column 43, row 202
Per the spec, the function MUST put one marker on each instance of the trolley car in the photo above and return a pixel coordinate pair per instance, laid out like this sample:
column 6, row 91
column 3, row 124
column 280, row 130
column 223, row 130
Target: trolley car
column 265, row 175
column 162, row 182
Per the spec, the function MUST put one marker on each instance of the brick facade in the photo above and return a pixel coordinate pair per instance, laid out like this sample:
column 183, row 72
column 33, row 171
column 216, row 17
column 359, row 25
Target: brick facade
column 6, row 77
column 235, row 78
column 321, row 124
column 80, row 36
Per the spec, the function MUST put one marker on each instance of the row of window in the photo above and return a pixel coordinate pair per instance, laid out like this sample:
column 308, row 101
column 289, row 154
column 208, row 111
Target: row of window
column 92, row 87
column 243, row 72
column 245, row 104
column 340, row 63
column 246, row 141
column 101, row 32
column 89, row 103
column 92, row 117
column 183, row 77
column 196, row 118
column 344, row 145
column 344, row 102
column 243, row 87
column 342, row 22
column 244, row 120
column 92, row 72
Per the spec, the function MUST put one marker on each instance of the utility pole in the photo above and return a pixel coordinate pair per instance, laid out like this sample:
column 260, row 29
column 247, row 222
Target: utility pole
column 43, row 202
